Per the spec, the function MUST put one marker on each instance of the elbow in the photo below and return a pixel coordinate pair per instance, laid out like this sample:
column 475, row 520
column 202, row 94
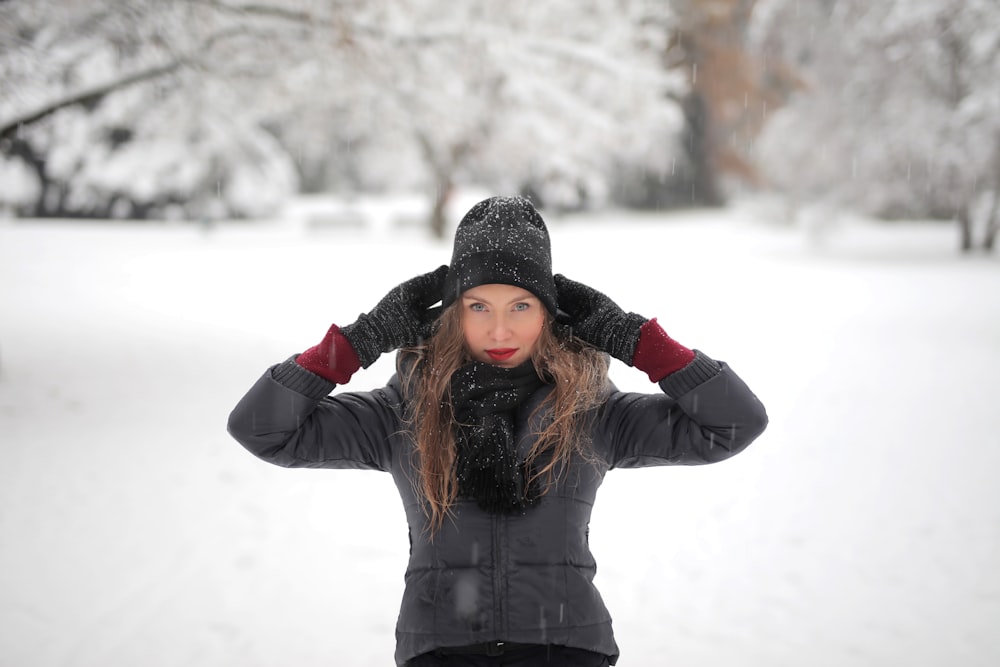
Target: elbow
column 754, row 422
column 267, row 422
column 745, row 433
column 241, row 427
column 722, row 444
column 753, row 429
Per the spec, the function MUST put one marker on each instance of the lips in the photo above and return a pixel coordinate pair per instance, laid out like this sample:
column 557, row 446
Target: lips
column 501, row 353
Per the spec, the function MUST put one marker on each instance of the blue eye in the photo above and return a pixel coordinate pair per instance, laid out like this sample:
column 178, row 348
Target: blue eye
column 521, row 306
column 477, row 307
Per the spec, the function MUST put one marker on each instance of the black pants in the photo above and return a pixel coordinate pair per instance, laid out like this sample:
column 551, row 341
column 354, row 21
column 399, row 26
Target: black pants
column 539, row 656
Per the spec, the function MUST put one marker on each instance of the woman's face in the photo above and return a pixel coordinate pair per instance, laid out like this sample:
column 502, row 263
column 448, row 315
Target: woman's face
column 501, row 323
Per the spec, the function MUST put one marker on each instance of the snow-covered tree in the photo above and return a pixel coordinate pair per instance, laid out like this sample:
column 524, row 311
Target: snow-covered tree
column 510, row 95
column 115, row 108
column 900, row 114
column 730, row 90
column 222, row 105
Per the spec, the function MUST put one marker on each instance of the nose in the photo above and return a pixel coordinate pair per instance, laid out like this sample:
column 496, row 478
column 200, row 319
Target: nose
column 500, row 328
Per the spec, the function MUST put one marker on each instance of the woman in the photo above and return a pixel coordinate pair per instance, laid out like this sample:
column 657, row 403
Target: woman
column 498, row 429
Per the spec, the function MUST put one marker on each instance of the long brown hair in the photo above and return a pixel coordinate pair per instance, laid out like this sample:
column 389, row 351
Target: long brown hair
column 577, row 372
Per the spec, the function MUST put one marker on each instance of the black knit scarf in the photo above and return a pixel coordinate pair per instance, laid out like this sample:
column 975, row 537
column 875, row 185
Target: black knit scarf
column 485, row 399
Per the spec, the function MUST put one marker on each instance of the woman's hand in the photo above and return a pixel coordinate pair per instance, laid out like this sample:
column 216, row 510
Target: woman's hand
column 598, row 320
column 400, row 319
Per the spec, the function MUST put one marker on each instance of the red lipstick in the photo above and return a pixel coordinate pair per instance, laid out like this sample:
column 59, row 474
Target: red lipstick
column 501, row 353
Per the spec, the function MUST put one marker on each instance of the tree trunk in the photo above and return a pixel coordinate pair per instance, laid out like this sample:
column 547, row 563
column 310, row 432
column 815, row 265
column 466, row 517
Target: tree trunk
column 964, row 229
column 992, row 223
column 439, row 221
column 990, row 240
column 993, row 218
column 698, row 142
column 22, row 149
column 443, row 169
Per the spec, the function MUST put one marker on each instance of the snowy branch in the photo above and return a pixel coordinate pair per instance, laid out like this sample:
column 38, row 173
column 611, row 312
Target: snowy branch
column 85, row 97
column 95, row 93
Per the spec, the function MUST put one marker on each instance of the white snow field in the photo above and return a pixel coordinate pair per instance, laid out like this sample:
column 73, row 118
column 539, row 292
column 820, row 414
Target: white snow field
column 862, row 529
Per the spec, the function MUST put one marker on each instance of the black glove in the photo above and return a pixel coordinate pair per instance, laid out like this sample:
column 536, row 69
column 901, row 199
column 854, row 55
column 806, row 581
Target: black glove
column 400, row 319
column 597, row 319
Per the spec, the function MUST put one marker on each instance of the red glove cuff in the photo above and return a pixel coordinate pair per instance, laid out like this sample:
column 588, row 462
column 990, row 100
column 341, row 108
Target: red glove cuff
column 657, row 354
column 334, row 359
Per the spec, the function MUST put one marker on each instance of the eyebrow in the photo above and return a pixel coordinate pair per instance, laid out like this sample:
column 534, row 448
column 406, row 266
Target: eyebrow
column 524, row 297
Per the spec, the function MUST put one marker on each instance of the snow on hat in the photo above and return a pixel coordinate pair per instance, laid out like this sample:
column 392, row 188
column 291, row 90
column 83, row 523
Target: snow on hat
column 502, row 240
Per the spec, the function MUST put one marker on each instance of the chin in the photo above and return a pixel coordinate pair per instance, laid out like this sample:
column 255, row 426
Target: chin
column 502, row 363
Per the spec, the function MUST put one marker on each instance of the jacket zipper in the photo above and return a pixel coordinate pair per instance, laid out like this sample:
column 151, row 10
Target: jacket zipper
column 499, row 620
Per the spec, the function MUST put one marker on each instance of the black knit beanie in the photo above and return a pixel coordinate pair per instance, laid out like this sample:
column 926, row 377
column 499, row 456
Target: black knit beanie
column 502, row 240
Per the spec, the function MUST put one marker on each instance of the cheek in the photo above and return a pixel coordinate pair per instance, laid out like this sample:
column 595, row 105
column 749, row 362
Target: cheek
column 469, row 330
column 534, row 329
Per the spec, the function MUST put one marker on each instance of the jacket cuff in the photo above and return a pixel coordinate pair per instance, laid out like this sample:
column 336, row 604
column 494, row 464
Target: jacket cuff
column 289, row 374
column 701, row 369
column 333, row 359
column 657, row 354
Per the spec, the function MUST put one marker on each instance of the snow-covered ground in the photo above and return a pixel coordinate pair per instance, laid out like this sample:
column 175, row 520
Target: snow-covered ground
column 862, row 529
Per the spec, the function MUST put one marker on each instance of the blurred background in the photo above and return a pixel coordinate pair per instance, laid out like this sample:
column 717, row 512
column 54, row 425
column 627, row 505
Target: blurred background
column 209, row 109
column 193, row 190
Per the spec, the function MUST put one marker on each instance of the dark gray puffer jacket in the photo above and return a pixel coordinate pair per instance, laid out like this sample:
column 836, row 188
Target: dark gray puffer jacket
column 526, row 579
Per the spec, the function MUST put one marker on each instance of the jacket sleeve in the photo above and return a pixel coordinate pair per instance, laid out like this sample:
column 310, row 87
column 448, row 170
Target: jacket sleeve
column 288, row 419
column 706, row 414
